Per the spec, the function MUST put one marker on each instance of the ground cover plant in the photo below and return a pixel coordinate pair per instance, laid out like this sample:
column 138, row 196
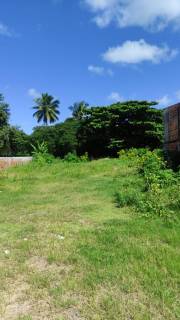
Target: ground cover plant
column 161, row 184
column 74, row 245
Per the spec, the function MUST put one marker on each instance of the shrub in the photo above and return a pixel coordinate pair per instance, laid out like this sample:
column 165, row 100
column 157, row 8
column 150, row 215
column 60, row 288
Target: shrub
column 153, row 167
column 132, row 153
column 157, row 177
column 84, row 157
column 72, row 157
column 41, row 155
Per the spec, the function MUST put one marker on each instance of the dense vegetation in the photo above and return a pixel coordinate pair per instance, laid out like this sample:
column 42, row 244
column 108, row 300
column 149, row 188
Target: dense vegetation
column 99, row 131
column 13, row 141
column 78, row 242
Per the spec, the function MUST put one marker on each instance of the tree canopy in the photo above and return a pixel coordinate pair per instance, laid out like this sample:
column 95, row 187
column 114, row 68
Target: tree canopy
column 13, row 141
column 100, row 131
column 79, row 109
column 105, row 130
column 4, row 112
column 47, row 109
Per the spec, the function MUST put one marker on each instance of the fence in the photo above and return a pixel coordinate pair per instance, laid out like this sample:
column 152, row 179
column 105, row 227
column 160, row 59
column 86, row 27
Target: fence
column 6, row 162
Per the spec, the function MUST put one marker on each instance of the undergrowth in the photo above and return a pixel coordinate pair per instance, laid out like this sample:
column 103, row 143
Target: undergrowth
column 157, row 198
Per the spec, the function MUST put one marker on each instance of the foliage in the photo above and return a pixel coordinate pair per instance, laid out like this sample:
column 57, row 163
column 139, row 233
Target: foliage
column 60, row 139
column 132, row 153
column 79, row 109
column 157, row 178
column 45, row 134
column 4, row 112
column 100, row 131
column 13, row 141
column 154, row 170
column 72, row 157
column 66, row 137
column 105, row 130
column 41, row 155
column 47, row 109
column 84, row 157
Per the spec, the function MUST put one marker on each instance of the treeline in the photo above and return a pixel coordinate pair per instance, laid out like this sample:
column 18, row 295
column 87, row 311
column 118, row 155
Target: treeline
column 99, row 131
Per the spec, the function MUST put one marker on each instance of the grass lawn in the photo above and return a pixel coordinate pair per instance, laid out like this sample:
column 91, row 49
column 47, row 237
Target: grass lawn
column 67, row 252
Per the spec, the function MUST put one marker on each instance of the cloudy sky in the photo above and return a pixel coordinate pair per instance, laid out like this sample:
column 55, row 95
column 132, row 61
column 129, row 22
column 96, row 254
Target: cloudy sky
column 100, row 51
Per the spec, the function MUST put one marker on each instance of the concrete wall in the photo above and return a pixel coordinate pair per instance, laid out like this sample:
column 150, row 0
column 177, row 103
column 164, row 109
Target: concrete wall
column 13, row 161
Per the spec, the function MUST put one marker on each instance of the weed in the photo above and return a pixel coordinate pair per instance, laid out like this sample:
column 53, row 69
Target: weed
column 41, row 155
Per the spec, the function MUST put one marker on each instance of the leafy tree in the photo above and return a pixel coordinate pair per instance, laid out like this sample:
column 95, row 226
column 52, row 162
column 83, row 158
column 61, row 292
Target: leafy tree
column 66, row 139
column 13, row 142
column 19, row 142
column 60, row 138
column 4, row 127
column 47, row 109
column 79, row 109
column 105, row 130
column 4, row 112
column 5, row 149
column 46, row 134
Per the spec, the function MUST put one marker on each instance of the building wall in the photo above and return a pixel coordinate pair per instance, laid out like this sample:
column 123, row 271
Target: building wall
column 172, row 128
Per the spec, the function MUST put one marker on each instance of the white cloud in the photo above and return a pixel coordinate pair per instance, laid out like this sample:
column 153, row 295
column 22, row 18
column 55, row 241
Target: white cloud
column 4, row 30
column 96, row 69
column 100, row 4
column 134, row 52
column 100, row 71
column 165, row 101
column 33, row 93
column 115, row 97
column 153, row 14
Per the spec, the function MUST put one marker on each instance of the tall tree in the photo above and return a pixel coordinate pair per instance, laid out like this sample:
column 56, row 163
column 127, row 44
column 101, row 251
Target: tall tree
column 47, row 109
column 4, row 112
column 13, row 141
column 106, row 130
column 79, row 109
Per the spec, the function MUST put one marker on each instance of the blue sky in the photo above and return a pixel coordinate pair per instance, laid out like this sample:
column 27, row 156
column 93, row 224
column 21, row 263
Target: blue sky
column 99, row 51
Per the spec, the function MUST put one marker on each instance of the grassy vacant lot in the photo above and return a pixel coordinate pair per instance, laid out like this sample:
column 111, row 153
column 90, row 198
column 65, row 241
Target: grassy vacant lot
column 68, row 252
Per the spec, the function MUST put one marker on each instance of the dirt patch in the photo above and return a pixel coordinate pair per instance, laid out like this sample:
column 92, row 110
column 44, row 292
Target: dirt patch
column 19, row 300
column 16, row 304
column 72, row 314
column 38, row 263
column 15, row 301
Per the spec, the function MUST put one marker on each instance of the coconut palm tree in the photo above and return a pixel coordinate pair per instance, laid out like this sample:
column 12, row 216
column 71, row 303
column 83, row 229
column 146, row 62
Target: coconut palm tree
column 78, row 109
column 47, row 109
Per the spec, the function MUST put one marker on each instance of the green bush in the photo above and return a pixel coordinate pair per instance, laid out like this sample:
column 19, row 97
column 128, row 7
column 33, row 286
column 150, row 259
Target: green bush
column 41, row 155
column 72, row 157
column 84, row 157
column 153, row 167
column 157, row 177
column 132, row 153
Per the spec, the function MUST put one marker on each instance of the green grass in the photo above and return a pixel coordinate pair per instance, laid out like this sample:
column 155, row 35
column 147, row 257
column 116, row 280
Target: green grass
column 67, row 251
